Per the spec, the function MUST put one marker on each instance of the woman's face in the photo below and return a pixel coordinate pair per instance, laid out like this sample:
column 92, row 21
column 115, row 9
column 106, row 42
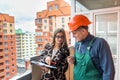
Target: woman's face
column 59, row 38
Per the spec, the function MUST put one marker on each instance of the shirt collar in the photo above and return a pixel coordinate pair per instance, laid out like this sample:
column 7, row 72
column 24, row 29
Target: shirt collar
column 88, row 38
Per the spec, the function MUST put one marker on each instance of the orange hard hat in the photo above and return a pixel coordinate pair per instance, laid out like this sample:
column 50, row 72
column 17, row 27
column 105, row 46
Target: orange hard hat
column 77, row 21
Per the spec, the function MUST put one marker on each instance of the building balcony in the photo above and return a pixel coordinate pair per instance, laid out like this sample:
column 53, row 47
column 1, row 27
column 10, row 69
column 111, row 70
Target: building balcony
column 1, row 47
column 50, row 21
column 2, row 73
column 1, row 29
column 36, row 72
column 38, row 24
column 1, row 39
column 38, row 21
column 1, row 33
column 38, row 30
column 2, row 65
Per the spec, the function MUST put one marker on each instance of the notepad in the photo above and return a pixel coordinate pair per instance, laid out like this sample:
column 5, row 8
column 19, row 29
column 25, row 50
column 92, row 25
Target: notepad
column 42, row 64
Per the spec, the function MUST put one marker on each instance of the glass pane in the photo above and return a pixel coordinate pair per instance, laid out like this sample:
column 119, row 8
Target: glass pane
column 106, row 27
column 113, row 44
column 112, row 27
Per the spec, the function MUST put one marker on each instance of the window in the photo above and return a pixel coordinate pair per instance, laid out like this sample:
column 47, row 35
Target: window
column 69, row 18
column 6, row 49
column 45, row 27
column 45, row 21
column 5, row 44
column 7, row 67
column 11, row 37
column 12, row 65
column 12, row 70
column 40, row 52
column 39, row 33
column 12, row 59
column 8, row 74
column 56, row 7
column 12, row 53
column 45, row 34
column 46, row 40
column 40, row 40
column 38, row 21
column 106, row 27
column 5, row 37
column 50, row 24
column 10, row 31
column 12, row 42
column 50, row 17
column 12, row 48
column 4, row 24
column 40, row 45
column 112, row 27
column 51, row 30
column 100, row 29
column 50, row 8
column 0, row 36
column 69, row 41
column 5, row 31
column 63, row 20
column 7, row 62
column 63, row 26
column 10, row 25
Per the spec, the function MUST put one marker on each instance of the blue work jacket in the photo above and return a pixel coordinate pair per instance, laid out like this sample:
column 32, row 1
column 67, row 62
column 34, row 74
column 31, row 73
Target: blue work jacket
column 100, row 54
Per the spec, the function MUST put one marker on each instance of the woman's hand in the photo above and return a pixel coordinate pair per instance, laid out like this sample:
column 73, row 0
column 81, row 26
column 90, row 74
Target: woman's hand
column 70, row 59
column 44, row 68
column 48, row 60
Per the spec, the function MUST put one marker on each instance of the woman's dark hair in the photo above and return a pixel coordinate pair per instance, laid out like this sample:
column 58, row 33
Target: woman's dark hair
column 64, row 37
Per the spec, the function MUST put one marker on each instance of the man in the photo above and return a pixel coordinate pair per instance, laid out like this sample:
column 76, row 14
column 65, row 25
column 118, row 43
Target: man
column 92, row 58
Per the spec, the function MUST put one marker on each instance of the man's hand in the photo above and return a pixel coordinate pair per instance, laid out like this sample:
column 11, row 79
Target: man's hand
column 70, row 59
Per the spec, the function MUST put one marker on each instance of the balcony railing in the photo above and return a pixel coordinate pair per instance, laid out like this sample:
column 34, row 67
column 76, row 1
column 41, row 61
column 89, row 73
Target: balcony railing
column 36, row 71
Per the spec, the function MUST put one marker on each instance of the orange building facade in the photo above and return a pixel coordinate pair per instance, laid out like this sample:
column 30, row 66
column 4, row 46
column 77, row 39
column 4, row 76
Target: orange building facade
column 55, row 16
column 8, row 66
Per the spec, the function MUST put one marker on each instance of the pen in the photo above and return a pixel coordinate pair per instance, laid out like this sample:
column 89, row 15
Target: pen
column 53, row 62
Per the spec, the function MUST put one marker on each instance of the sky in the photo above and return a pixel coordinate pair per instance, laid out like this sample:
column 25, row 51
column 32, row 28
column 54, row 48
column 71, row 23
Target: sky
column 24, row 12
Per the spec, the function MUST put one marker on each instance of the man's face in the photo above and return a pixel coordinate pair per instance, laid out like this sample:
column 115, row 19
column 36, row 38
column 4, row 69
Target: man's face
column 78, row 34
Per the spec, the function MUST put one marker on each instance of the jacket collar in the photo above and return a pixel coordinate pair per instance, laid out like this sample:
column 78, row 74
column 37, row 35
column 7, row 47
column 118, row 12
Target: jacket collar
column 88, row 38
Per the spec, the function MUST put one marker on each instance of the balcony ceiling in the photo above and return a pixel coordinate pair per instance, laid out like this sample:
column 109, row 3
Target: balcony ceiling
column 99, row 4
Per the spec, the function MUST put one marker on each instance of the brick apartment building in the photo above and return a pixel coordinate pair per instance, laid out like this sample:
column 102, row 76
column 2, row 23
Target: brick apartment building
column 55, row 16
column 8, row 66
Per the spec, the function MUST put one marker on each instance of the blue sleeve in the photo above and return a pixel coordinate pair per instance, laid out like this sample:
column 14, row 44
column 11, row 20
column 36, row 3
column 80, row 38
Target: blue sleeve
column 106, row 61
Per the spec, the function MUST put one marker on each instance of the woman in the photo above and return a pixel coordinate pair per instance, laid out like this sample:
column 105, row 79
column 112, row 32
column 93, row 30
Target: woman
column 55, row 54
